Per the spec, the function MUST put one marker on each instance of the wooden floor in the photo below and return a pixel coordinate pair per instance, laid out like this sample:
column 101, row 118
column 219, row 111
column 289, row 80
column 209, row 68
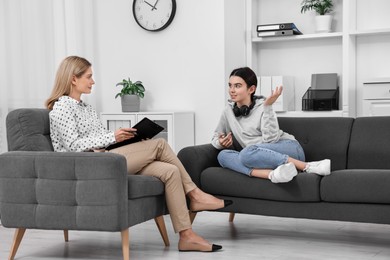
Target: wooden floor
column 249, row 237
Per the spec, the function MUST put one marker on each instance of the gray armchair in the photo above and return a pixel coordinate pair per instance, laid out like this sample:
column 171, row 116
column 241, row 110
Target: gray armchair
column 42, row 189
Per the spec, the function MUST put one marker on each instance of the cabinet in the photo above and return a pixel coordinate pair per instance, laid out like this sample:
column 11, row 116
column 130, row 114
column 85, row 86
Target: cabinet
column 356, row 49
column 178, row 126
column 376, row 98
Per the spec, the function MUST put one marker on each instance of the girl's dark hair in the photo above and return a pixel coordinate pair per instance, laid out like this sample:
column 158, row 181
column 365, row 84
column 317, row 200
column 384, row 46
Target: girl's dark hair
column 247, row 75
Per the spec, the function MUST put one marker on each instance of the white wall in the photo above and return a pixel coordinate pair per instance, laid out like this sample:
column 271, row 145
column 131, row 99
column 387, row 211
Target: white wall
column 182, row 67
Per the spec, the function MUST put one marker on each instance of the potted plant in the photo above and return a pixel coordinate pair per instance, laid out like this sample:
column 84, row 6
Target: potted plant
column 323, row 8
column 130, row 95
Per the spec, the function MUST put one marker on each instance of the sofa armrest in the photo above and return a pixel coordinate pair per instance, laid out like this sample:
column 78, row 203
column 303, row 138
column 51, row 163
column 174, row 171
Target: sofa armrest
column 198, row 158
column 75, row 191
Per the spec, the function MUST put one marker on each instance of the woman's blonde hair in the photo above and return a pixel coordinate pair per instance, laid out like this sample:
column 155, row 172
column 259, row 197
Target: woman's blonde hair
column 69, row 67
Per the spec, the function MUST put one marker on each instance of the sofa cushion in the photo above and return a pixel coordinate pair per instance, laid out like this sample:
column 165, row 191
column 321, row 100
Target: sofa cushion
column 324, row 137
column 370, row 142
column 29, row 130
column 356, row 186
column 225, row 182
column 140, row 186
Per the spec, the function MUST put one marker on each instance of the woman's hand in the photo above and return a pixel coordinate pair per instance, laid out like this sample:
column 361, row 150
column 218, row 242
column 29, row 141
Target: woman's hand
column 123, row 134
column 274, row 96
column 226, row 141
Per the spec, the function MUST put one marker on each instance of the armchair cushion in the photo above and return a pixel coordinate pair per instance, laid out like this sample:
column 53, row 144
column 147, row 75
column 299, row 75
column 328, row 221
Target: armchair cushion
column 141, row 186
column 29, row 130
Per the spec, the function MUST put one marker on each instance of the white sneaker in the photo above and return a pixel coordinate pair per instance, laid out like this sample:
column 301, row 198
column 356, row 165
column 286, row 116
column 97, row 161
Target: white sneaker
column 320, row 167
column 284, row 173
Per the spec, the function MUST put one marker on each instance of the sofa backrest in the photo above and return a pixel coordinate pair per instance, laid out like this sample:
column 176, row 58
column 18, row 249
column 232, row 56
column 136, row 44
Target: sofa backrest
column 369, row 147
column 321, row 137
column 28, row 129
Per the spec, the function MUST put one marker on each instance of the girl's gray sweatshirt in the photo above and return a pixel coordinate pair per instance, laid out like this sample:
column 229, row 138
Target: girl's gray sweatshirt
column 260, row 126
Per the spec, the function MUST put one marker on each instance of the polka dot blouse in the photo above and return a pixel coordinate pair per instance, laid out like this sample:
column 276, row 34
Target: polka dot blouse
column 75, row 127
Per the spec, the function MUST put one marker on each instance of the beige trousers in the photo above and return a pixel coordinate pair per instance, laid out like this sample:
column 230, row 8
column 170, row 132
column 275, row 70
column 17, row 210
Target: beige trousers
column 155, row 158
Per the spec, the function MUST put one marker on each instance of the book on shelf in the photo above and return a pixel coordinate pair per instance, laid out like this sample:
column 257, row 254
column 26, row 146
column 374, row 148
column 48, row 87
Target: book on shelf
column 276, row 26
column 278, row 33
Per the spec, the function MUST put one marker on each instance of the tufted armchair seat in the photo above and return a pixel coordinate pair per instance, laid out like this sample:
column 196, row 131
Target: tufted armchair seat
column 42, row 189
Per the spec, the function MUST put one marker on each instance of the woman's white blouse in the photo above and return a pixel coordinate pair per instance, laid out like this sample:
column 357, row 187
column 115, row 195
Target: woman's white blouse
column 75, row 127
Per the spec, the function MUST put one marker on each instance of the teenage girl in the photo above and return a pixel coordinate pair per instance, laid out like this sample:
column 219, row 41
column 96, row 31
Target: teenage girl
column 268, row 152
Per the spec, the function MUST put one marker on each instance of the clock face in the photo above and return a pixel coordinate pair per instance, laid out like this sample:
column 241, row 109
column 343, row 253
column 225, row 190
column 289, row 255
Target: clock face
column 154, row 15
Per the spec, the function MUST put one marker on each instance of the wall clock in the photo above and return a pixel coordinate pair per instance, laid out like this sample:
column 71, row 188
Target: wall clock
column 154, row 15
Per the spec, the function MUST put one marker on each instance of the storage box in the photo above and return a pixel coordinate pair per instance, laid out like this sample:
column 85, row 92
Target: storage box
column 324, row 81
column 320, row 99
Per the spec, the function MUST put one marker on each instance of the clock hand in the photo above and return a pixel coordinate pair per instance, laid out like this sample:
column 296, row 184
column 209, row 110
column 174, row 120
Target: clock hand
column 150, row 5
column 154, row 7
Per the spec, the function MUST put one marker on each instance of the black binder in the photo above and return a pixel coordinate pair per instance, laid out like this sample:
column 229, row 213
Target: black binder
column 276, row 26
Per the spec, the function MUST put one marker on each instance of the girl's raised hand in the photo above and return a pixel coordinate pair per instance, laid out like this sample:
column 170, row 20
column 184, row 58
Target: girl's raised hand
column 274, row 96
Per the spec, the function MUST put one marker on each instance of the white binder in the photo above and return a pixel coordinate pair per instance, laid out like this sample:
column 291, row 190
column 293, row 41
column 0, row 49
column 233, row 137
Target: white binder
column 286, row 101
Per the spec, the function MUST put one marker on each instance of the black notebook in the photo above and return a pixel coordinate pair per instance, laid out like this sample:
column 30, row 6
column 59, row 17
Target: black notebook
column 146, row 129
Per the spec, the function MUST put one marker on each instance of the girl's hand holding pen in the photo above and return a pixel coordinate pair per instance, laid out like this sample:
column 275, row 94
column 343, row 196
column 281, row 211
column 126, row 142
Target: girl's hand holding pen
column 226, row 140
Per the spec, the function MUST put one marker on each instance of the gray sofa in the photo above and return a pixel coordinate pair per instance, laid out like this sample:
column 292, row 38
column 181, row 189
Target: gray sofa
column 41, row 189
column 358, row 190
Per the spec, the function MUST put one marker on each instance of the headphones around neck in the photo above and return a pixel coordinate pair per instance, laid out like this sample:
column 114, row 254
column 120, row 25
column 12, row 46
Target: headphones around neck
column 245, row 110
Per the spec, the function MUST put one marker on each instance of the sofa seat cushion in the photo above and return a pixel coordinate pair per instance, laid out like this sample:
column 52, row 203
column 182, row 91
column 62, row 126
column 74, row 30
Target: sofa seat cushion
column 225, row 182
column 140, row 186
column 357, row 186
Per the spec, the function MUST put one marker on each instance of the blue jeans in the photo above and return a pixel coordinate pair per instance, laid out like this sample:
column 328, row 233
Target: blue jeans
column 261, row 156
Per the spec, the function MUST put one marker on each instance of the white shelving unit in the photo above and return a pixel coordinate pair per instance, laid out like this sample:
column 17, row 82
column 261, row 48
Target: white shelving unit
column 356, row 49
column 376, row 97
column 179, row 128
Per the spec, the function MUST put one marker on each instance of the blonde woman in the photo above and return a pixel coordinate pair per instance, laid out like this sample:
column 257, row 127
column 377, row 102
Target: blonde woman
column 75, row 126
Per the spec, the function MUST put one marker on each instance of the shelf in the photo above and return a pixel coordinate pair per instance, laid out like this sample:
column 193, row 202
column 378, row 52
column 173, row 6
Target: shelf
column 298, row 37
column 383, row 31
column 332, row 113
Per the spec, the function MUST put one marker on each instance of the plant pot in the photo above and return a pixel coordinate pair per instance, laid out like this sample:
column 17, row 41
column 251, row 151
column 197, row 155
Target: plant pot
column 323, row 23
column 130, row 103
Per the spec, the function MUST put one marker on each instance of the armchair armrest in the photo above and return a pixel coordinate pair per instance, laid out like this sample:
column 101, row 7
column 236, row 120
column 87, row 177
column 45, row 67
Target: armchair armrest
column 75, row 191
column 198, row 158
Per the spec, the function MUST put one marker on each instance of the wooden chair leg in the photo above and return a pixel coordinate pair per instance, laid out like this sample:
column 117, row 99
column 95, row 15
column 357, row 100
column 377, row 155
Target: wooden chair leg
column 125, row 244
column 163, row 230
column 231, row 216
column 192, row 216
column 66, row 235
column 19, row 232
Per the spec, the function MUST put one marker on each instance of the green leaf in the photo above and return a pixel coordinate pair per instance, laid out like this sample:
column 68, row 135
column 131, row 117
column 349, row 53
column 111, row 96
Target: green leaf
column 141, row 88
column 131, row 88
